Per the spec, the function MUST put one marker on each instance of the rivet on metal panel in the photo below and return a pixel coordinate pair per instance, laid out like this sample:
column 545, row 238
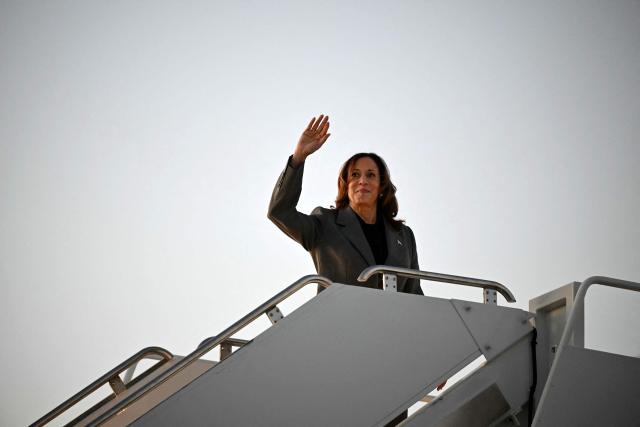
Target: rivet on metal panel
column 487, row 347
column 467, row 308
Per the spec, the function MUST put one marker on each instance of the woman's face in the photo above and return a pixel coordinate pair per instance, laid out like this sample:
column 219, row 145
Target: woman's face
column 363, row 183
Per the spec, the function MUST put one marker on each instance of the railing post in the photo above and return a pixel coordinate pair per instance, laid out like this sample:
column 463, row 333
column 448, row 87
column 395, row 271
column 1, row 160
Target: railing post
column 225, row 350
column 274, row 315
column 389, row 282
column 117, row 385
column 490, row 296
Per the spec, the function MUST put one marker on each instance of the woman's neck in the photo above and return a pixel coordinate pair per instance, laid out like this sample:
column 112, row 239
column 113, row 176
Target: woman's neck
column 367, row 213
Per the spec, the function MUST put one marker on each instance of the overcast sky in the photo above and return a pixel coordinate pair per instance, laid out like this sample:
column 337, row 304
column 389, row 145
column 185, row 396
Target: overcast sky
column 140, row 142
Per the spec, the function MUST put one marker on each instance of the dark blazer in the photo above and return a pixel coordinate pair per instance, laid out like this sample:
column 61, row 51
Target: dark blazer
column 335, row 239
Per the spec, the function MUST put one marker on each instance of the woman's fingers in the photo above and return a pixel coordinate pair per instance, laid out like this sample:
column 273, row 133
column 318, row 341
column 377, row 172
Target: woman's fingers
column 316, row 133
column 325, row 122
column 323, row 130
column 310, row 125
column 319, row 123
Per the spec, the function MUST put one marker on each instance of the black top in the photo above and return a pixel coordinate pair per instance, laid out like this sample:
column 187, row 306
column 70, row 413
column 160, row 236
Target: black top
column 376, row 237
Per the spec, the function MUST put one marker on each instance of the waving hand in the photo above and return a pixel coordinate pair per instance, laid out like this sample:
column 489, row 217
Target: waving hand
column 311, row 139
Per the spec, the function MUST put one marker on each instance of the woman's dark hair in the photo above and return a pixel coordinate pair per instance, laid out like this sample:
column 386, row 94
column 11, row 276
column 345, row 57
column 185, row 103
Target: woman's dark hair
column 387, row 203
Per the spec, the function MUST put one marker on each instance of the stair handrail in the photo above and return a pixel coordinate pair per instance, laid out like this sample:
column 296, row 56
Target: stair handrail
column 579, row 302
column 212, row 342
column 437, row 277
column 108, row 377
column 578, row 306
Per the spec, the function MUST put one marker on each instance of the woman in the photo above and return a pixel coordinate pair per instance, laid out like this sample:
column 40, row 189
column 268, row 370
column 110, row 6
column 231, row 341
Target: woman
column 361, row 231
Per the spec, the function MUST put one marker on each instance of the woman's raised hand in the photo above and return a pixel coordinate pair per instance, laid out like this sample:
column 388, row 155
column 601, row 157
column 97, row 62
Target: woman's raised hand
column 311, row 139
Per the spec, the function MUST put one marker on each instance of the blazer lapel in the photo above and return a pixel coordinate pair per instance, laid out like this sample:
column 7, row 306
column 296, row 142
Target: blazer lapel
column 351, row 229
column 395, row 245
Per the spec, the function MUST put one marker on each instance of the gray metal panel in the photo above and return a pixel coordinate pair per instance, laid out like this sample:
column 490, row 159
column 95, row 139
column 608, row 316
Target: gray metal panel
column 350, row 356
column 556, row 304
column 480, row 411
column 510, row 372
column 551, row 312
column 592, row 388
column 493, row 328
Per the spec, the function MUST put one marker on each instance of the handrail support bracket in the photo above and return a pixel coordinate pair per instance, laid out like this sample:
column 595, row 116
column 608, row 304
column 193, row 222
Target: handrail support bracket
column 390, row 282
column 117, row 385
column 274, row 315
column 490, row 296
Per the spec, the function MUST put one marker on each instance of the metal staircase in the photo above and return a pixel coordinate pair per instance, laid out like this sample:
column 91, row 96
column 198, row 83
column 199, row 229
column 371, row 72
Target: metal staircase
column 360, row 357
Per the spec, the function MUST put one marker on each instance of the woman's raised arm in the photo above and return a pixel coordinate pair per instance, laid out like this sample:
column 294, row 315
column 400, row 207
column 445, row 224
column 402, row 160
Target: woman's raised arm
column 282, row 208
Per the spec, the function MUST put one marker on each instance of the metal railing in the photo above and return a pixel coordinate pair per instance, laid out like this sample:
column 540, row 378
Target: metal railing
column 578, row 306
column 437, row 277
column 129, row 373
column 208, row 344
column 579, row 302
column 112, row 378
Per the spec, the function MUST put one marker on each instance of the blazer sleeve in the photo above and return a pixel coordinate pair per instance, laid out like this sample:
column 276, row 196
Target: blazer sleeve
column 413, row 285
column 302, row 228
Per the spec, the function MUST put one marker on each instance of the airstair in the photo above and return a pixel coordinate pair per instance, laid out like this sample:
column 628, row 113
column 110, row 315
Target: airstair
column 354, row 356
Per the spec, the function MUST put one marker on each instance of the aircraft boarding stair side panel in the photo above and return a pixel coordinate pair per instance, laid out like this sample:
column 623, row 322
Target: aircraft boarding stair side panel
column 591, row 388
column 351, row 356
column 493, row 328
column 497, row 389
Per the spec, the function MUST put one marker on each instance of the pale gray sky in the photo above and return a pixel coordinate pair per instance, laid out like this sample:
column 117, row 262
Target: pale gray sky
column 139, row 143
